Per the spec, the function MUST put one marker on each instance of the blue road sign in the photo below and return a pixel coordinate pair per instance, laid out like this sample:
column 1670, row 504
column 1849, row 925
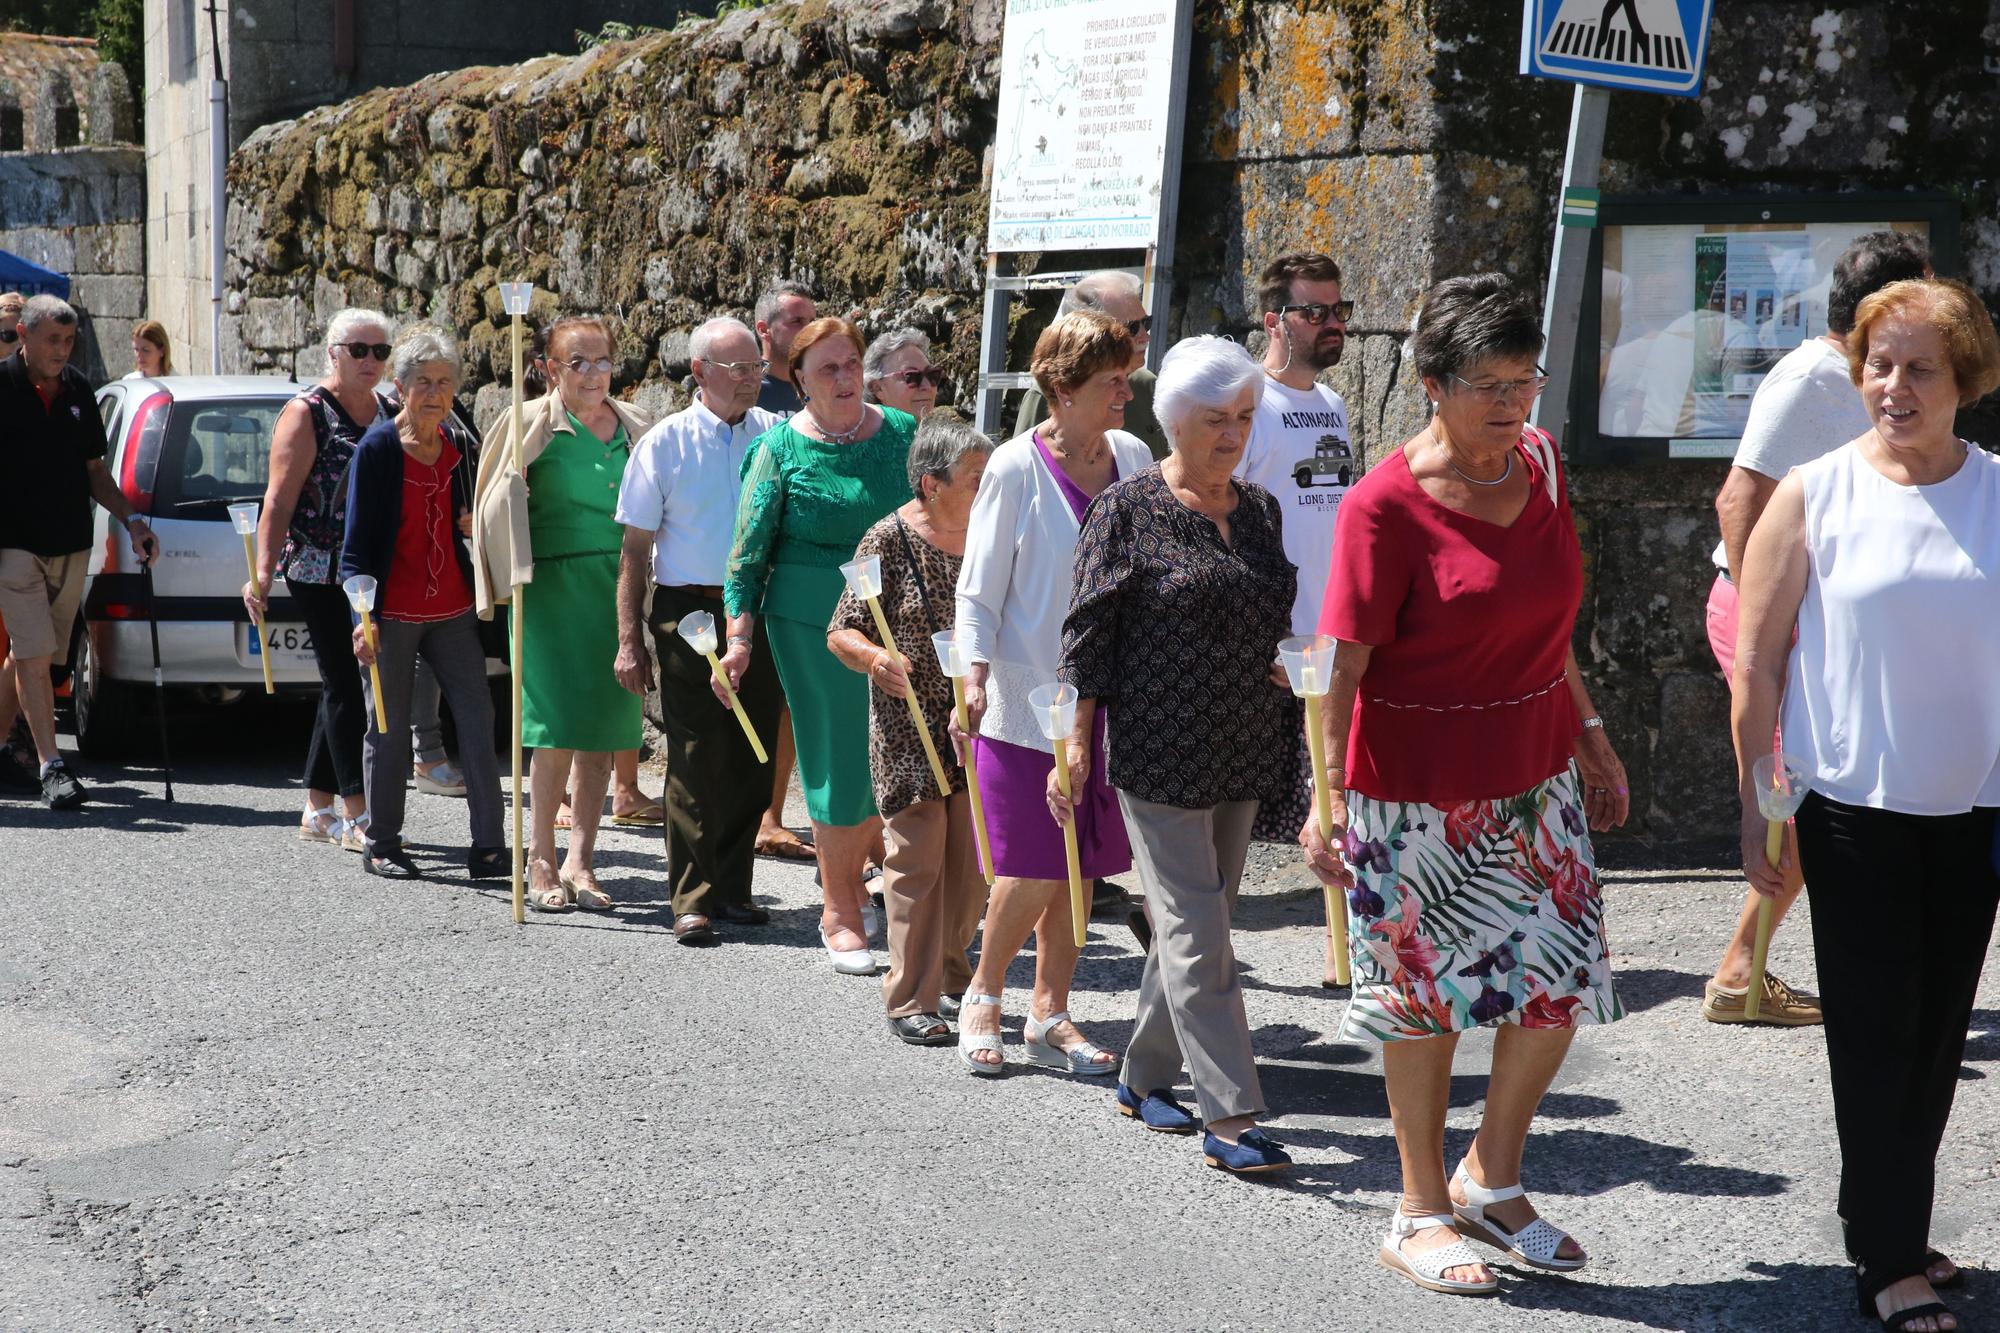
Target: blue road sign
column 1655, row 46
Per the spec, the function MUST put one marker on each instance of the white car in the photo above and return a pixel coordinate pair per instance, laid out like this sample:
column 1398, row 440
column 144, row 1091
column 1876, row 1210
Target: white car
column 182, row 449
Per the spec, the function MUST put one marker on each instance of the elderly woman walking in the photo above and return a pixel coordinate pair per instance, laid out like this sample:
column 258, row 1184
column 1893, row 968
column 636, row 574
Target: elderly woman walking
column 576, row 439
column 898, row 372
column 1182, row 594
column 299, row 535
column 1474, row 767
column 812, row 488
column 1020, row 565
column 931, row 882
column 1884, row 555
column 404, row 531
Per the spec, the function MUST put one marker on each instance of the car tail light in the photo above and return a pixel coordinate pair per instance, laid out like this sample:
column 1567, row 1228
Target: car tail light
column 120, row 611
column 141, row 458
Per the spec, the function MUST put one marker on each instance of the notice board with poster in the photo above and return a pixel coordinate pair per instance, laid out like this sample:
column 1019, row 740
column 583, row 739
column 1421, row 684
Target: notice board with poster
column 1086, row 115
column 1689, row 303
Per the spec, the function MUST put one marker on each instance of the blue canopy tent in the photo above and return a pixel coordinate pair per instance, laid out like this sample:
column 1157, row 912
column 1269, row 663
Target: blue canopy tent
column 29, row 278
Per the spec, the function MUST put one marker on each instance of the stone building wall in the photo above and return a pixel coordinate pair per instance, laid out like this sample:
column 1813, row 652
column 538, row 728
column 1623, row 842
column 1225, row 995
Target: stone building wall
column 845, row 143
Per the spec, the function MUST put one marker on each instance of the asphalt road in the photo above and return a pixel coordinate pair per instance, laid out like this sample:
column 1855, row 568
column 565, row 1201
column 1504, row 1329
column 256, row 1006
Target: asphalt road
column 244, row 1086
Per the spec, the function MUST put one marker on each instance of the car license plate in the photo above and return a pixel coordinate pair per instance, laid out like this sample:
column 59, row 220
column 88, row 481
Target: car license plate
column 290, row 645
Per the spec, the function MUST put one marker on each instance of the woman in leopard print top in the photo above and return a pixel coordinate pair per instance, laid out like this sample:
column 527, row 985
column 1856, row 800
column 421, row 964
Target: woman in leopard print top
column 931, row 883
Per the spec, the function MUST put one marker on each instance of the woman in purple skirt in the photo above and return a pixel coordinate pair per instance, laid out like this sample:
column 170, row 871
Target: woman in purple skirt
column 1013, row 590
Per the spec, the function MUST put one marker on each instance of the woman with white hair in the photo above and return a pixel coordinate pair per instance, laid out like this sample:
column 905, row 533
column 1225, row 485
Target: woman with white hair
column 1182, row 594
column 403, row 531
column 299, row 534
column 897, row 372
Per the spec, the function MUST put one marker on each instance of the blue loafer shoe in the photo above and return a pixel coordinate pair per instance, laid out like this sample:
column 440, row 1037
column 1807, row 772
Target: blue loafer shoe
column 1252, row 1154
column 1157, row 1110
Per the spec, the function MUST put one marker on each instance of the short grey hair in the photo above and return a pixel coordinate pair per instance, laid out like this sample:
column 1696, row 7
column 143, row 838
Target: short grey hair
column 1093, row 291
column 702, row 341
column 774, row 295
column 1202, row 372
column 886, row 346
column 341, row 328
column 41, row 309
column 422, row 345
column 942, row 441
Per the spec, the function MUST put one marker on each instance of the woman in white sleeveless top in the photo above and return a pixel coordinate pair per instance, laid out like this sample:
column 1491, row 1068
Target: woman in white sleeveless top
column 1886, row 555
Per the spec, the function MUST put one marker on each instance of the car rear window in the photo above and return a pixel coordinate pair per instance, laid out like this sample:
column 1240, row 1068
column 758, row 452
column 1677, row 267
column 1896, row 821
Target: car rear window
column 216, row 451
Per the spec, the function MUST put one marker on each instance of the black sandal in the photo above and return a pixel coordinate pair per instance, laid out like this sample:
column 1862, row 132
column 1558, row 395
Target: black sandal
column 488, row 863
column 1902, row 1319
column 391, row 865
column 1867, row 1288
column 922, row 1030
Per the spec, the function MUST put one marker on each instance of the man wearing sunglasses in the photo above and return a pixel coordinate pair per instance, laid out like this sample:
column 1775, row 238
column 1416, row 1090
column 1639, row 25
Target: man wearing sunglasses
column 50, row 471
column 1119, row 294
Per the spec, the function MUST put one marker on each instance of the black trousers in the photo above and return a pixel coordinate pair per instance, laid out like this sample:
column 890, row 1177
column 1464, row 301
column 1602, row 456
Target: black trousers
column 1902, row 909
column 333, row 759
column 716, row 790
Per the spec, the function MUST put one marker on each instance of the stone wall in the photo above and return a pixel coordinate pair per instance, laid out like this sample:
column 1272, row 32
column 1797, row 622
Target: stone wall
column 82, row 212
column 845, row 143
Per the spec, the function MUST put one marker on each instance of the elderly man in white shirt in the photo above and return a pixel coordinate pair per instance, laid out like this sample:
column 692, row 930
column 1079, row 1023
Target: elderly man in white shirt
column 678, row 505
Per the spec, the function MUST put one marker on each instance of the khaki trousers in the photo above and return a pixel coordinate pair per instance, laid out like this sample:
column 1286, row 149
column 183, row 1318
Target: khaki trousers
column 935, row 895
column 1190, row 998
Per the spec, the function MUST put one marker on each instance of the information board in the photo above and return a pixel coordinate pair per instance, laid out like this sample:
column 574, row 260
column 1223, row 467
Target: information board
column 1690, row 303
column 1084, row 120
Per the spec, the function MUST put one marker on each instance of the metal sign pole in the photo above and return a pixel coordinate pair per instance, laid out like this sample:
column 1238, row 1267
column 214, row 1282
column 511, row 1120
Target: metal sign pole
column 1562, row 304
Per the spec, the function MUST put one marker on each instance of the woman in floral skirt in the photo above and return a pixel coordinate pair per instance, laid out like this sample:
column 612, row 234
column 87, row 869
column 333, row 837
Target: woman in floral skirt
column 1474, row 768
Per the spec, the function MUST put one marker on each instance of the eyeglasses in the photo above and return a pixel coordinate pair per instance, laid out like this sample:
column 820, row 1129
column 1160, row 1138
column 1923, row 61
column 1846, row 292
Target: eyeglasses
column 361, row 351
column 741, row 370
column 1143, row 324
column 912, row 378
column 1496, row 390
column 582, row 366
column 1316, row 312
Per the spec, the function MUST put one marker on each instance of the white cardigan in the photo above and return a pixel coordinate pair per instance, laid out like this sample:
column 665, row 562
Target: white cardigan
column 1014, row 585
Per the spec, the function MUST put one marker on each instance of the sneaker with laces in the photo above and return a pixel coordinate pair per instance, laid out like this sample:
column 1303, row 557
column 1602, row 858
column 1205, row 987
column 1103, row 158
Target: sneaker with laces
column 1781, row 1006
column 60, row 788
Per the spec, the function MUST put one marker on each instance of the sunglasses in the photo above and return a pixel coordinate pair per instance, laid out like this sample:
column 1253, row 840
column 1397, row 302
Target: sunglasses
column 9, row 335
column 362, row 351
column 600, row 366
column 912, row 378
column 1316, row 312
column 1143, row 324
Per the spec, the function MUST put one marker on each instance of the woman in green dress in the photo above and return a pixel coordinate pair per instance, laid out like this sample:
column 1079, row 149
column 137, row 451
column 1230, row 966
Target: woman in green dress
column 574, row 713
column 812, row 486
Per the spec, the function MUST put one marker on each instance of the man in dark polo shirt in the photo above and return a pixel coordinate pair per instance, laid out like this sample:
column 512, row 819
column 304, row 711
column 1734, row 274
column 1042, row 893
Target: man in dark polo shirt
column 781, row 312
column 51, row 468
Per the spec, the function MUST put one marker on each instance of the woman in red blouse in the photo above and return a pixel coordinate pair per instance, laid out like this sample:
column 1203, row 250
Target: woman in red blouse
column 1472, row 769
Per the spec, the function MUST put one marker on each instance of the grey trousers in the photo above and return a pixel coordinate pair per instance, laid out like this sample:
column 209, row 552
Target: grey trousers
column 1190, row 1000
column 426, row 724
column 452, row 649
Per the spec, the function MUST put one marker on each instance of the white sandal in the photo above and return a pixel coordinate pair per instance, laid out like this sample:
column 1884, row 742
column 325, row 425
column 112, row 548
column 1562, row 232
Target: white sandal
column 321, row 825
column 1534, row 1244
column 1427, row 1270
column 1081, row 1060
column 968, row 1042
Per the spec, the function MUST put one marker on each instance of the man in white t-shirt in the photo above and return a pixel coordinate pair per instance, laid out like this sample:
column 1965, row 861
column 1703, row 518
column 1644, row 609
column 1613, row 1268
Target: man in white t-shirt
column 1298, row 448
column 1806, row 406
column 1299, row 451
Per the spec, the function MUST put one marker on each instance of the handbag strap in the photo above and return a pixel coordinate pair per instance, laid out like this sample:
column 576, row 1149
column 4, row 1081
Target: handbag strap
column 916, row 572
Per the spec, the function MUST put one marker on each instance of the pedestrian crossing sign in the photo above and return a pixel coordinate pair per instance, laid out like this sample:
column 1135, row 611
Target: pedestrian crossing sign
column 1655, row 46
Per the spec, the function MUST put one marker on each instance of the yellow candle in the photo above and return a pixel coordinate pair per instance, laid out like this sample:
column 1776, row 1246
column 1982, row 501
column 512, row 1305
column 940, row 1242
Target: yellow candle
column 263, row 647
column 972, row 783
column 1079, row 905
column 1336, row 901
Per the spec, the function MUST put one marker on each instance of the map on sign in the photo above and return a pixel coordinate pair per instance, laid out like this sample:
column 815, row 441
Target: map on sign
column 1083, row 119
column 1652, row 45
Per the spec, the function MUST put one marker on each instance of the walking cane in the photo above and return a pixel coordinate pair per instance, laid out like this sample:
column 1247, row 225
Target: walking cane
column 864, row 580
column 514, row 298
column 159, row 682
column 698, row 628
column 1055, row 711
column 1781, row 788
column 1308, row 663
column 953, row 662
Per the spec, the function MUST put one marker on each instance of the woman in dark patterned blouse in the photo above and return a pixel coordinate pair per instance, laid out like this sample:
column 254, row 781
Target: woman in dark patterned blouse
column 931, row 885
column 1182, row 593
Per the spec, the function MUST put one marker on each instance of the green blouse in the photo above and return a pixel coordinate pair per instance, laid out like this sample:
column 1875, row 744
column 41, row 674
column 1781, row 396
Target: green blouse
column 807, row 502
column 573, row 493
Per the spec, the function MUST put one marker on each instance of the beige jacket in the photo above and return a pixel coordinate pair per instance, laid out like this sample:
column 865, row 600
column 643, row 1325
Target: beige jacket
column 503, row 556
